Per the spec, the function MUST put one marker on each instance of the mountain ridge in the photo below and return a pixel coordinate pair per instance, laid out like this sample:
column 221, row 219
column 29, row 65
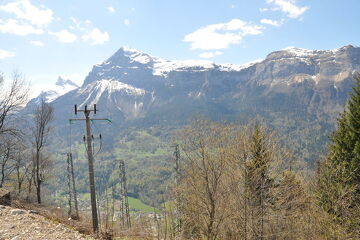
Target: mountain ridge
column 301, row 89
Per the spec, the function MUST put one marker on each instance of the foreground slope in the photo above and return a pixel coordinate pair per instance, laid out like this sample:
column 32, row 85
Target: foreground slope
column 21, row 224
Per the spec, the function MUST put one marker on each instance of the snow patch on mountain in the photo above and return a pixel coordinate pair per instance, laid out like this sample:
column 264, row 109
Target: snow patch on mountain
column 161, row 67
column 96, row 89
column 137, row 56
column 111, row 85
column 299, row 52
column 302, row 52
column 237, row 68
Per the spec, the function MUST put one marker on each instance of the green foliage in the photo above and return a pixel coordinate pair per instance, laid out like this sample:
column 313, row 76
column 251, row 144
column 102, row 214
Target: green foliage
column 137, row 205
column 339, row 179
column 149, row 165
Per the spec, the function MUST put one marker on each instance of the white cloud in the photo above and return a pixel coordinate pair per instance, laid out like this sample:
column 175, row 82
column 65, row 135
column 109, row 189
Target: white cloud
column 111, row 9
column 271, row 22
column 221, row 35
column 64, row 36
column 126, row 22
column 13, row 26
column 6, row 54
column 210, row 54
column 232, row 6
column 88, row 32
column 37, row 43
column 289, row 7
column 96, row 36
column 23, row 9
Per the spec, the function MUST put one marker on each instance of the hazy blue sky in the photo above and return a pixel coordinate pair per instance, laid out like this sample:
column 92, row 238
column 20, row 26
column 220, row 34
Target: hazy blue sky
column 48, row 38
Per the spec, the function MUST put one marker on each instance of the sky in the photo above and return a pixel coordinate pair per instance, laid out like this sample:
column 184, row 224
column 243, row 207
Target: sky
column 45, row 39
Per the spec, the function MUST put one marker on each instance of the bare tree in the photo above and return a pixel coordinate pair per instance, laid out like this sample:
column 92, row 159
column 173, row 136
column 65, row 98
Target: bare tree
column 22, row 167
column 12, row 98
column 202, row 191
column 43, row 116
column 6, row 157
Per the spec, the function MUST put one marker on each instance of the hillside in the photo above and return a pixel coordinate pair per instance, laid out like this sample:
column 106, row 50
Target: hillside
column 297, row 92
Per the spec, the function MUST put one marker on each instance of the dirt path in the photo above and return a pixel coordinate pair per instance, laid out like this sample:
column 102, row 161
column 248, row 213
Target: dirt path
column 18, row 224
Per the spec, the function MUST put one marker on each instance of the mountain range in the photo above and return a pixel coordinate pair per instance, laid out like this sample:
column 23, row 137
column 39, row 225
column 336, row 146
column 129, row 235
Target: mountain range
column 298, row 92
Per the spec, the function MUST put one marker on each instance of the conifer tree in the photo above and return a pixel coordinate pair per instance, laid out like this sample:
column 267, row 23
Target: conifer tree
column 258, row 179
column 339, row 178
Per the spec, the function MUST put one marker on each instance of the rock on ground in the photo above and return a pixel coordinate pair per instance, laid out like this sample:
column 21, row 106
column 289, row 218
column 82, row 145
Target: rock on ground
column 5, row 197
column 20, row 225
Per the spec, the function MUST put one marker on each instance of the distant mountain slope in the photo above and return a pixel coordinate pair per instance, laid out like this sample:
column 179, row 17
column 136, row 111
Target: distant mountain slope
column 299, row 92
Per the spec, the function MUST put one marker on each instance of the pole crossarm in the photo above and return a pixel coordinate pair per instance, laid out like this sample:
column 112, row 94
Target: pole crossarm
column 91, row 119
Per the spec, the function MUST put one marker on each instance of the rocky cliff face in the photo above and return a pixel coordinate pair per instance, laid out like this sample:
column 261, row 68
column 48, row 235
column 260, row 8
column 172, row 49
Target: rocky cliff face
column 315, row 76
column 297, row 91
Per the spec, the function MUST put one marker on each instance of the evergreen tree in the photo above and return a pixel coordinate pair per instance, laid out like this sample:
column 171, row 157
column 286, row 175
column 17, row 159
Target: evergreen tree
column 258, row 181
column 339, row 177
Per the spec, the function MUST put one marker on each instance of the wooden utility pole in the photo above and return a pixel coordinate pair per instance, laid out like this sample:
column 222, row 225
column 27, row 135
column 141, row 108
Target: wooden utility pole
column 90, row 154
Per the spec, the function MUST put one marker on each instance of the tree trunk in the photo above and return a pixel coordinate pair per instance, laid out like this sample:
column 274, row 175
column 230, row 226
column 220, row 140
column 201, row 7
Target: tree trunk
column 38, row 192
column 38, row 180
column 2, row 176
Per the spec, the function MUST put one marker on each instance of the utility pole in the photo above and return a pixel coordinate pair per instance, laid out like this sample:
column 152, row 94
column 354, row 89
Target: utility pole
column 89, row 148
column 124, row 204
column 177, row 168
column 71, row 188
column 74, row 187
column 177, row 162
column 69, row 185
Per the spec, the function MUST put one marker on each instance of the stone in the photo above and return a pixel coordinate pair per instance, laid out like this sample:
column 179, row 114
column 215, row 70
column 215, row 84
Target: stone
column 17, row 212
column 5, row 197
column 33, row 212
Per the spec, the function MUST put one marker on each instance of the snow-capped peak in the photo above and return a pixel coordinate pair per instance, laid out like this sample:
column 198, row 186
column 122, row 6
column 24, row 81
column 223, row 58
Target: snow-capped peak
column 65, row 82
column 302, row 52
column 299, row 52
column 137, row 56
column 51, row 92
column 161, row 67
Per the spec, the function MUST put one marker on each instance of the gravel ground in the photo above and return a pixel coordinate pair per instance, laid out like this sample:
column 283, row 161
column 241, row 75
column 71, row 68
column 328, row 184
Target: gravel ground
column 17, row 224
